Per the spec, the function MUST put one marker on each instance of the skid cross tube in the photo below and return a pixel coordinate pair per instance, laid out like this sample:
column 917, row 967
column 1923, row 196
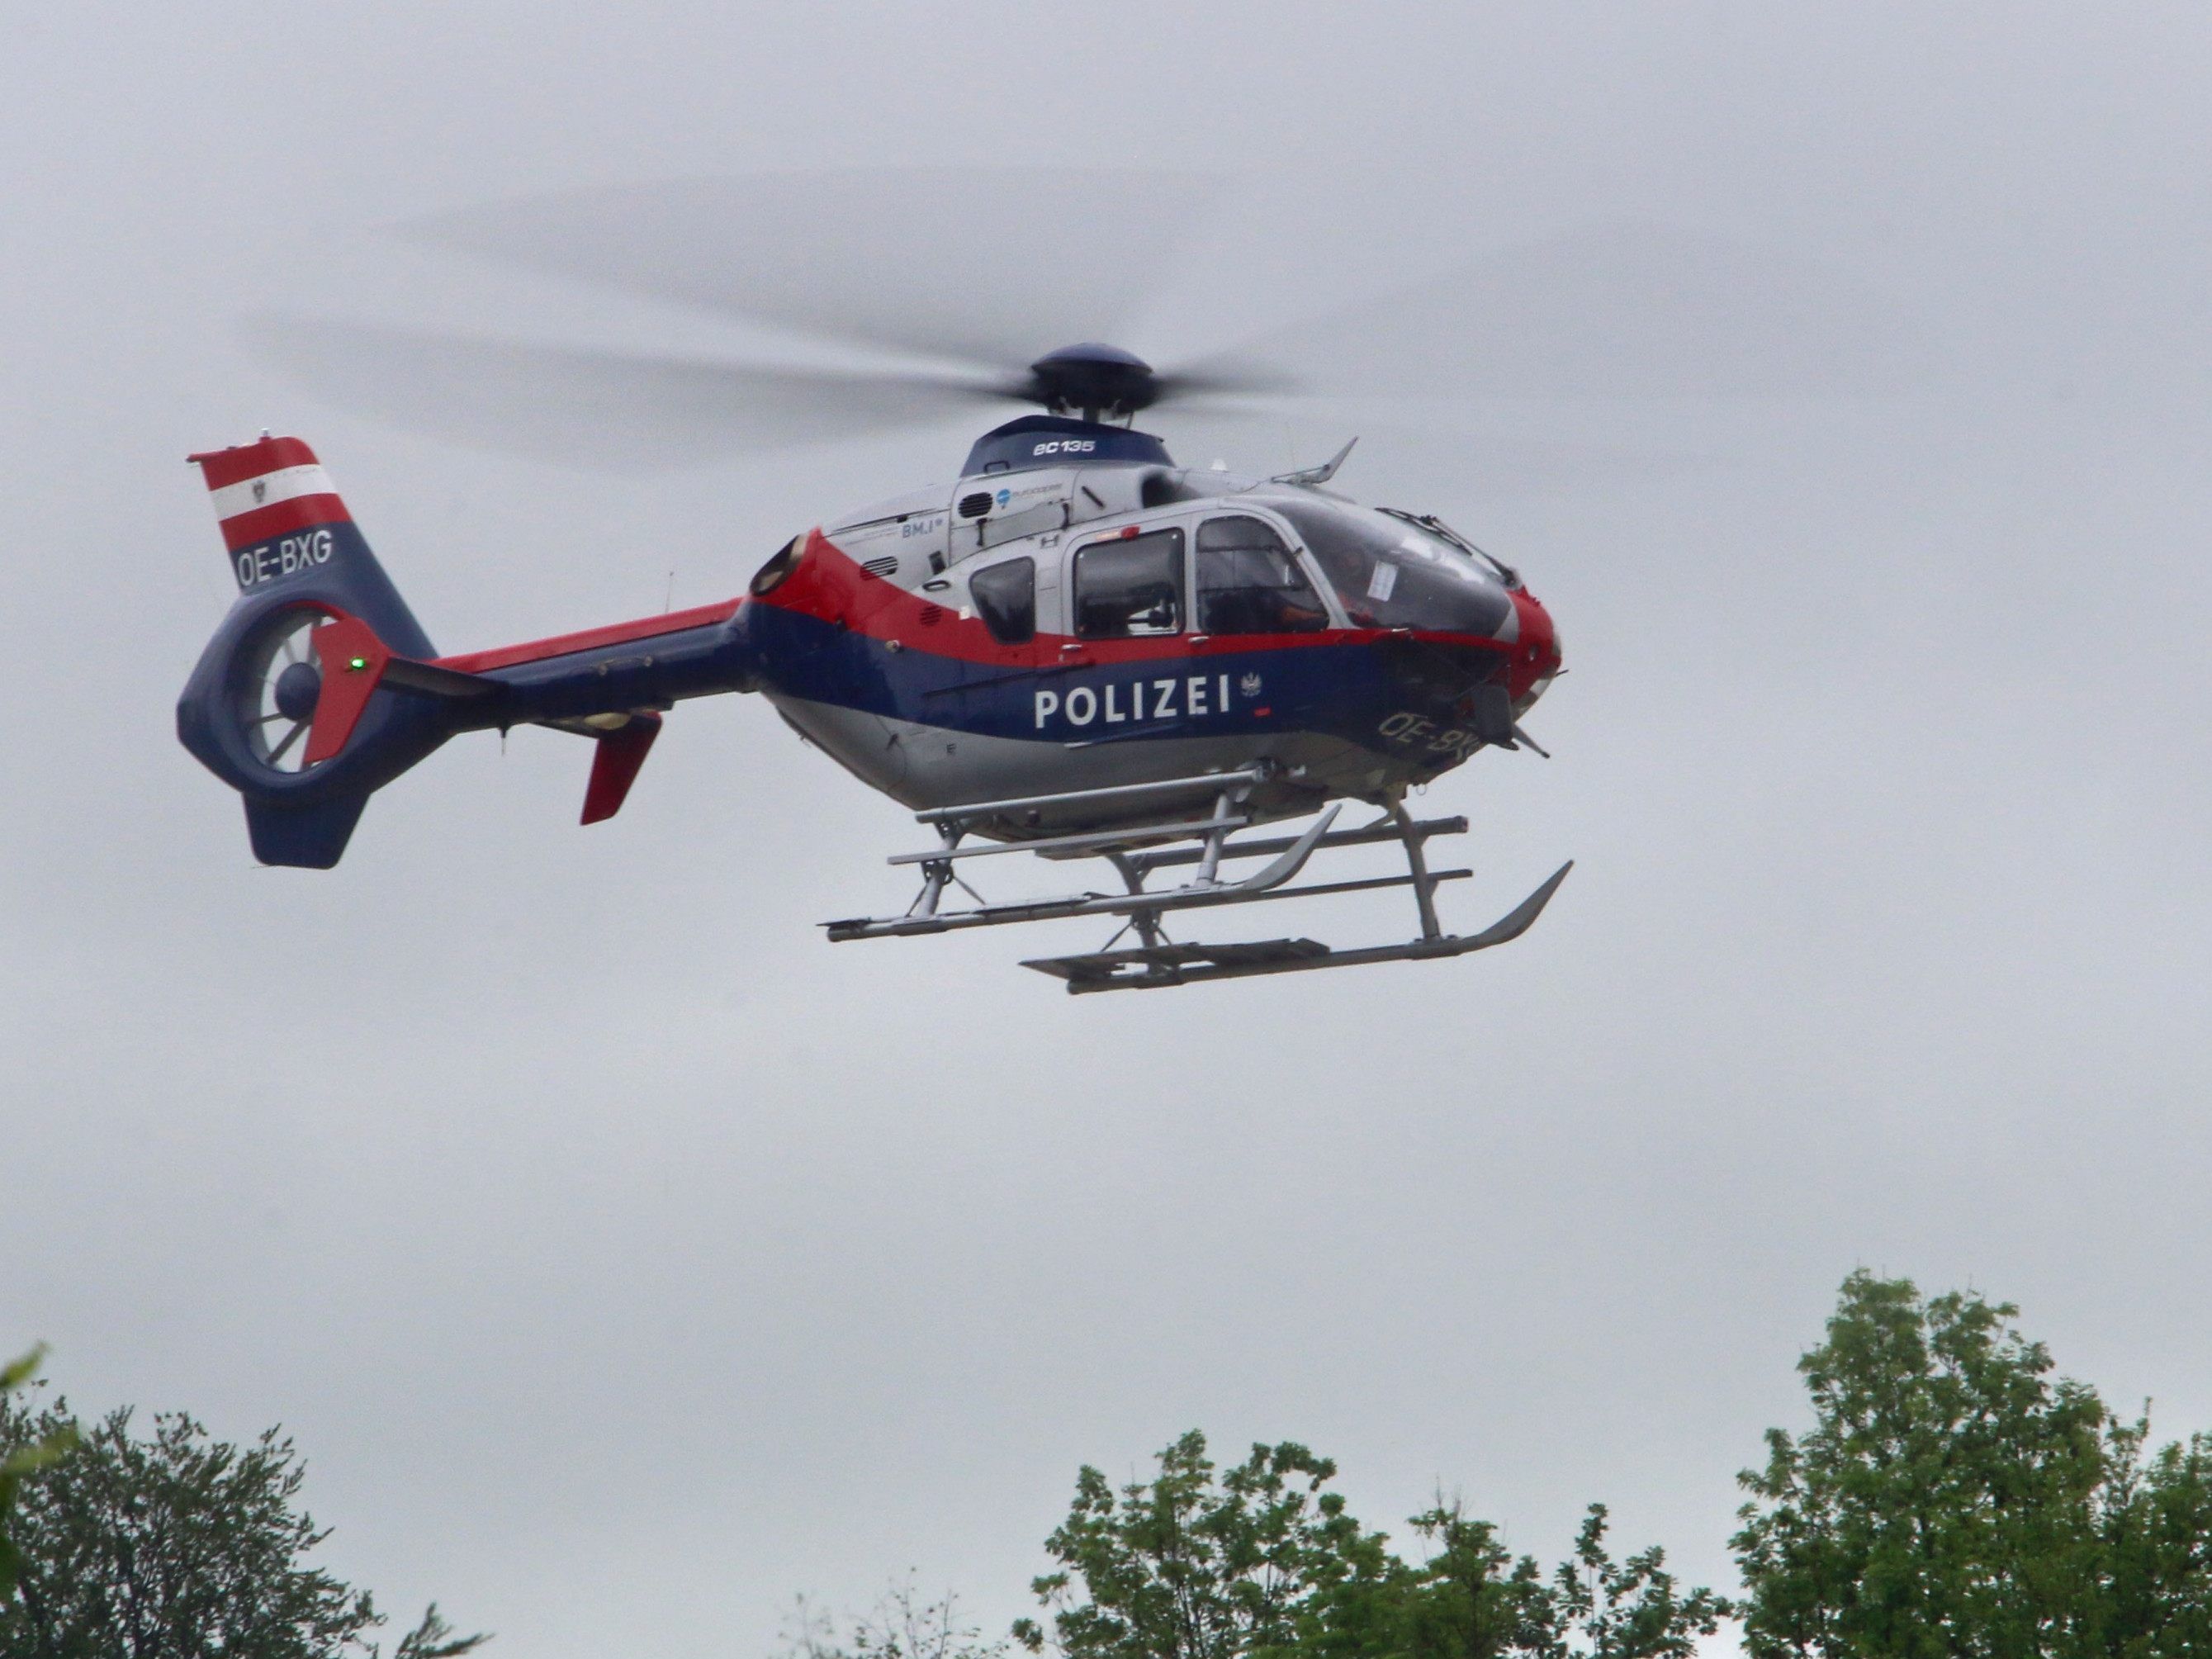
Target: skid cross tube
column 1424, row 889
column 1085, row 846
column 1134, row 852
column 936, row 871
column 1109, row 904
column 1129, row 792
column 1365, row 835
column 1146, row 922
column 924, row 918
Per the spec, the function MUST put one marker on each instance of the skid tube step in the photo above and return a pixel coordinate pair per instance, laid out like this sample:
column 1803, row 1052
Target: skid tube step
column 1155, row 967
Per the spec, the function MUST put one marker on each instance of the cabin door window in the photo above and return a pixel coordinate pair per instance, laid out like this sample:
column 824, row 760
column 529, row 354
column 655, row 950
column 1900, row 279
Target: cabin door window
column 1130, row 586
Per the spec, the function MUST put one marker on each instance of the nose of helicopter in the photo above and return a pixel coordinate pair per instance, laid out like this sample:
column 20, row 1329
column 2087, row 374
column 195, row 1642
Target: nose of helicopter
column 1536, row 660
column 1448, row 686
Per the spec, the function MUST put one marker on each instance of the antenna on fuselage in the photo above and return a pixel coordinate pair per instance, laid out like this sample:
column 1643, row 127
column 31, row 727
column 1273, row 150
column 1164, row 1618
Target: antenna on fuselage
column 1317, row 475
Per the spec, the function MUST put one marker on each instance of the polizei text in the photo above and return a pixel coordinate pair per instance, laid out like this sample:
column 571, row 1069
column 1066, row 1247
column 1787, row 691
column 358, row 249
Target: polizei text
column 1116, row 702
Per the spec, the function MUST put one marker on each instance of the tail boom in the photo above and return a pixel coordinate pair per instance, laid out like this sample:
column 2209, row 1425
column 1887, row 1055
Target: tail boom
column 590, row 680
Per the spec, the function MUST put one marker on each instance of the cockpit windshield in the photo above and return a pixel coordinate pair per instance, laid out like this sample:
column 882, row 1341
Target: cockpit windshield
column 1391, row 574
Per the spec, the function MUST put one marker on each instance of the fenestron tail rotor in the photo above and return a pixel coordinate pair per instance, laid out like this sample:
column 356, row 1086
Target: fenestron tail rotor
column 278, row 685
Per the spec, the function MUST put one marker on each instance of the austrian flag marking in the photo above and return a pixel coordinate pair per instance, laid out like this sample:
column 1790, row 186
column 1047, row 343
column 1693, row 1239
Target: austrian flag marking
column 289, row 483
column 274, row 503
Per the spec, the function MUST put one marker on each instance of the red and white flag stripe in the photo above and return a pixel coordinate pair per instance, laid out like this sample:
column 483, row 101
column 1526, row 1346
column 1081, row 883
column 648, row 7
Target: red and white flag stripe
column 286, row 484
column 268, row 488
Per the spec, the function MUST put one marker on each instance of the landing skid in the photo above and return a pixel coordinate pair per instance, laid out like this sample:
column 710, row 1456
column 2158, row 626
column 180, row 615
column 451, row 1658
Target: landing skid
column 1202, row 840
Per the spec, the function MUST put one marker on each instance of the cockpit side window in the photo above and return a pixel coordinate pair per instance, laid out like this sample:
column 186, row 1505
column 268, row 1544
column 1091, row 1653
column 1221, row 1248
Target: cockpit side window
column 1005, row 597
column 1130, row 586
column 1249, row 582
column 1389, row 576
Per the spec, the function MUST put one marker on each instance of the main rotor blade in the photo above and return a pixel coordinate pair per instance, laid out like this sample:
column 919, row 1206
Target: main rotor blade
column 989, row 266
column 1622, row 310
column 1226, row 374
column 601, row 408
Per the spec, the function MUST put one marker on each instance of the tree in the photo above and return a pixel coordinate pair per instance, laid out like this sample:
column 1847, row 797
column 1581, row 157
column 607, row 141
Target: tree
column 19, row 1463
column 179, row 1547
column 1187, row 1567
column 2154, row 1525
column 1631, row 1611
column 1470, row 1599
column 902, row 1625
column 1265, row 1564
column 1952, row 1501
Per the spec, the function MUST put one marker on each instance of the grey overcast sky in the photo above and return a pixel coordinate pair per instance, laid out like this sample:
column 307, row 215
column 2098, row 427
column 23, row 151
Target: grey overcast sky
column 628, row 1260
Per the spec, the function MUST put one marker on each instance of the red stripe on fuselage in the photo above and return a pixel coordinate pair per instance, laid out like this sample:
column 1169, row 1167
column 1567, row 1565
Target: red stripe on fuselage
column 828, row 585
column 561, row 645
column 301, row 512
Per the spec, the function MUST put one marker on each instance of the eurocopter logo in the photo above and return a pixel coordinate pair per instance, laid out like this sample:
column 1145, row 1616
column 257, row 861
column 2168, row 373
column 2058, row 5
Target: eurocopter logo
column 1005, row 495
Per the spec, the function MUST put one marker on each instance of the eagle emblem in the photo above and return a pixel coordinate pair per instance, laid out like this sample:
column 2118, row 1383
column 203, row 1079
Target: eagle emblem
column 1249, row 685
column 260, row 490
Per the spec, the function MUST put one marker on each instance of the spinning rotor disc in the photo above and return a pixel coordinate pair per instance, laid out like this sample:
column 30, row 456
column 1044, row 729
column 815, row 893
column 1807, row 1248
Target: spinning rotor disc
column 925, row 319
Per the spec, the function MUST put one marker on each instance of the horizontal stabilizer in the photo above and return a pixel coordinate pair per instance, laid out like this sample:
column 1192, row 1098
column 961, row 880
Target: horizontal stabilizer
column 352, row 660
column 353, row 663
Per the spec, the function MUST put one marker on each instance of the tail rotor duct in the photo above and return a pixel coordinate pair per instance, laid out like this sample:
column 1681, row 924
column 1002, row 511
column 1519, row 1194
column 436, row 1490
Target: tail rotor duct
column 278, row 686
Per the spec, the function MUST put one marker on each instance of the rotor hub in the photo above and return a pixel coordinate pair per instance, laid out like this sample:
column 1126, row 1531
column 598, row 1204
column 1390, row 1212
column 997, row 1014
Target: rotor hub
column 1093, row 381
column 297, row 689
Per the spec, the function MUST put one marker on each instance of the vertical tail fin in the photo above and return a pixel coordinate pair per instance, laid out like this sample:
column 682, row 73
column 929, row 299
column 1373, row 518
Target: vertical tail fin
column 299, row 561
column 287, row 530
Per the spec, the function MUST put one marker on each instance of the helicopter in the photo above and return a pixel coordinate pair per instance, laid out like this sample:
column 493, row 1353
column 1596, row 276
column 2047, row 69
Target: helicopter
column 1081, row 649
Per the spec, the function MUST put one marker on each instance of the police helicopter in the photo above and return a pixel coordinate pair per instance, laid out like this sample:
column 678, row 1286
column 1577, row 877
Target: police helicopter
column 1081, row 650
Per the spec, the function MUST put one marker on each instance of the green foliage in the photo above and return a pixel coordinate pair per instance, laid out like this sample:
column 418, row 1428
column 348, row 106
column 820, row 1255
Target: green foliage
column 1187, row 1567
column 1952, row 1501
column 18, row 1463
column 1631, row 1611
column 434, row 1639
column 2155, row 1528
column 902, row 1625
column 181, row 1547
column 1470, row 1599
column 1264, row 1564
